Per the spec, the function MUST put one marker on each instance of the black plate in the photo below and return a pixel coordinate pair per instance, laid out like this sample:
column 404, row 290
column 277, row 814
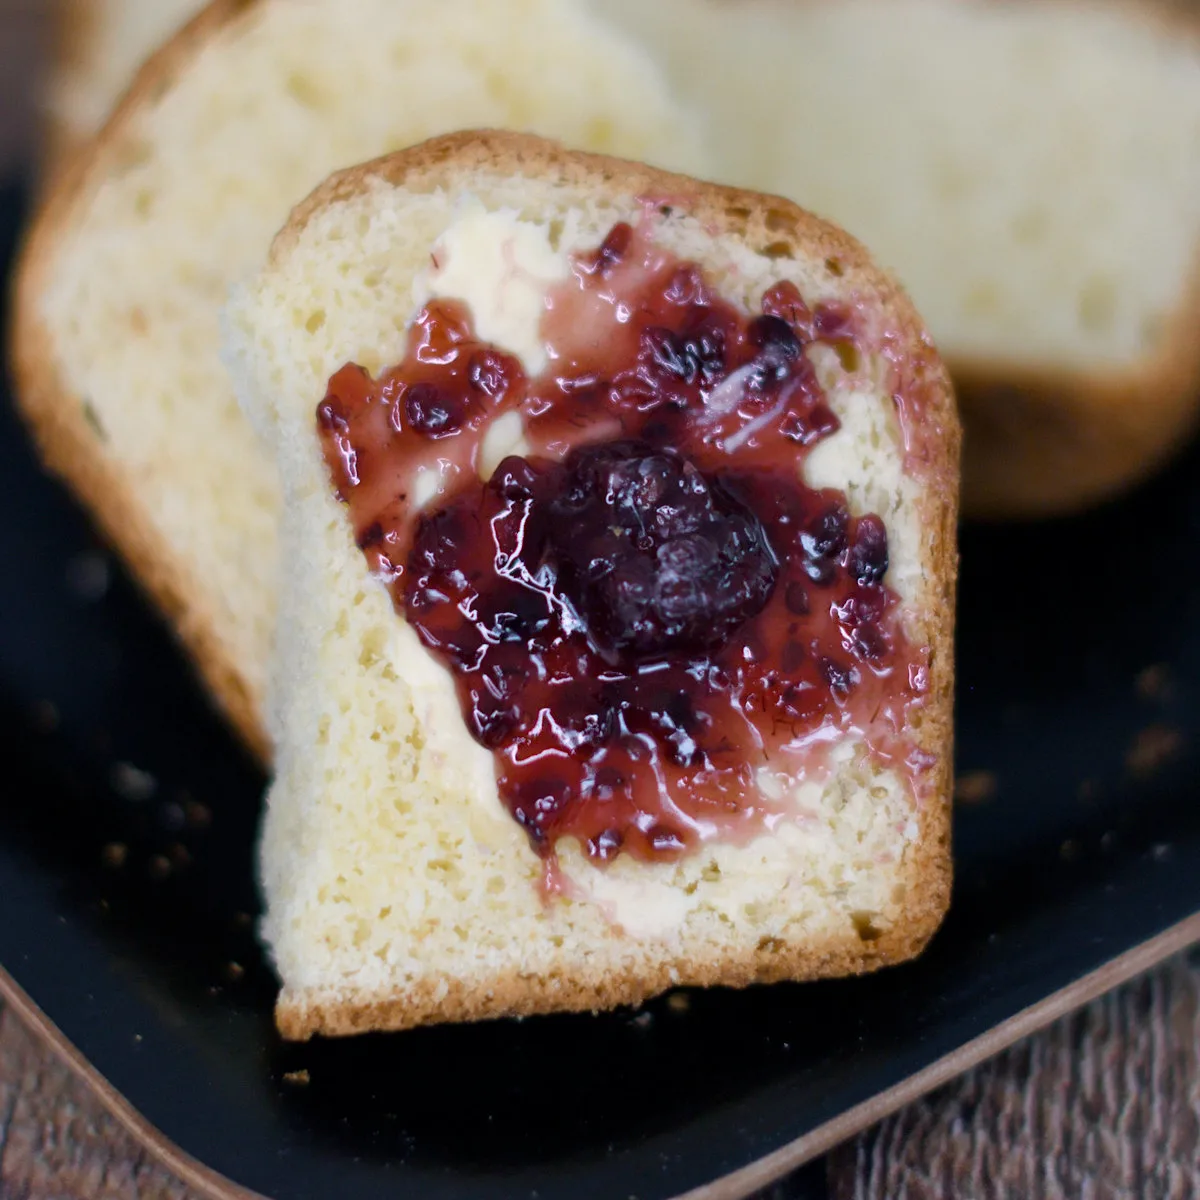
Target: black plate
column 125, row 870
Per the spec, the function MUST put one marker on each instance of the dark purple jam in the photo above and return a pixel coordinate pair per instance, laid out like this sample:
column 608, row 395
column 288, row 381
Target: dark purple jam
column 651, row 606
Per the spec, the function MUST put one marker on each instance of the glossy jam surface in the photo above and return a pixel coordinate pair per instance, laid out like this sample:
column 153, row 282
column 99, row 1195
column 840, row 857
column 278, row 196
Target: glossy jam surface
column 647, row 612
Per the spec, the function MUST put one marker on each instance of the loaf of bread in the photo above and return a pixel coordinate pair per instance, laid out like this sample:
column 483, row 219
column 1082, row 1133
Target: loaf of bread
column 399, row 888
column 1030, row 170
column 99, row 46
column 132, row 253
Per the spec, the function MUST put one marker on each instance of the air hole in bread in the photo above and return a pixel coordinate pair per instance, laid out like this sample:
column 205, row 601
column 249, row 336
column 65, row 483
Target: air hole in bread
column 315, row 321
column 303, row 89
column 769, row 945
column 93, row 419
column 775, row 250
column 834, row 267
column 865, row 927
column 848, row 356
column 778, row 221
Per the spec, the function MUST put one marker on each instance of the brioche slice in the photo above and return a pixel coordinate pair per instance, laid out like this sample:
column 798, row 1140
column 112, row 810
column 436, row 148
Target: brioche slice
column 116, row 340
column 1030, row 171
column 100, row 45
column 402, row 886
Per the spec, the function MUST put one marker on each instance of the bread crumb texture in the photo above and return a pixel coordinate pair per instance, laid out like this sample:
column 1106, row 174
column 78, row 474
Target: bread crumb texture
column 398, row 888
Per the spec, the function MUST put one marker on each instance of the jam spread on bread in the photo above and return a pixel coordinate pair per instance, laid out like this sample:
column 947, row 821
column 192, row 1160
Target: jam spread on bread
column 646, row 610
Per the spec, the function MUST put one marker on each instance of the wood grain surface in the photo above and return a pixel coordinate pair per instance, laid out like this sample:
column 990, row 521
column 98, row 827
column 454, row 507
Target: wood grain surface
column 1105, row 1105
column 57, row 1142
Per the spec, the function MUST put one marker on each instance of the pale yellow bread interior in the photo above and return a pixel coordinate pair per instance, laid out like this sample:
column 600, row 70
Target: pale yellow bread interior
column 398, row 890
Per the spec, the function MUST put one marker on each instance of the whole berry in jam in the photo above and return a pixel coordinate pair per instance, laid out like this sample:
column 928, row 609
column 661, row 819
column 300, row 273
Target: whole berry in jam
column 868, row 557
column 656, row 556
column 430, row 411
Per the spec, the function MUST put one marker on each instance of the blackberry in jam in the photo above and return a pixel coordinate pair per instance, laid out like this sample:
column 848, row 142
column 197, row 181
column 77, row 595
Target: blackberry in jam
column 655, row 556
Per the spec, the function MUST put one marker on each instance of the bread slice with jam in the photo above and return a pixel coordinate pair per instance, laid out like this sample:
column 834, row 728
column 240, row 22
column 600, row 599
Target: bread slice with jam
column 615, row 646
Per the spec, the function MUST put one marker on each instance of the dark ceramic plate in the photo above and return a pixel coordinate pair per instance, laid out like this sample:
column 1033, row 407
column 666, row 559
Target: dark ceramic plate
column 126, row 835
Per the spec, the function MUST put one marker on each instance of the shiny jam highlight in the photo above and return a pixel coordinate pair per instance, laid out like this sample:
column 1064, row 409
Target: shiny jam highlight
column 647, row 610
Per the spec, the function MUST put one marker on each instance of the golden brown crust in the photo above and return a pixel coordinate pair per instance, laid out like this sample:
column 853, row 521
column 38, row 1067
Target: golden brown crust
column 516, row 994
column 759, row 221
column 71, row 442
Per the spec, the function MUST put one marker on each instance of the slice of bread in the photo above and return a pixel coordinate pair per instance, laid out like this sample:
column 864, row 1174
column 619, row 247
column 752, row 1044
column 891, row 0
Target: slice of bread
column 399, row 891
column 99, row 47
column 1030, row 171
column 130, row 257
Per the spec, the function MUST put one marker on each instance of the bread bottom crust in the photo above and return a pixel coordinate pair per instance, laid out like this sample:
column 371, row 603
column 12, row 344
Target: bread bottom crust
column 302, row 1014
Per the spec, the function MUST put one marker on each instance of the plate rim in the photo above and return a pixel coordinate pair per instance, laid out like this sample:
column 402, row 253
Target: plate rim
column 738, row 1184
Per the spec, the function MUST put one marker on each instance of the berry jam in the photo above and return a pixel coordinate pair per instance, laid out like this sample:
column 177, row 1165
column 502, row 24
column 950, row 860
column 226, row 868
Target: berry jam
column 649, row 610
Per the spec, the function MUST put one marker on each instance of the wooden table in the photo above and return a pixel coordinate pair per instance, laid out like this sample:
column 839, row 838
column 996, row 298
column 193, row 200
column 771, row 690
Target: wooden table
column 1104, row 1105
